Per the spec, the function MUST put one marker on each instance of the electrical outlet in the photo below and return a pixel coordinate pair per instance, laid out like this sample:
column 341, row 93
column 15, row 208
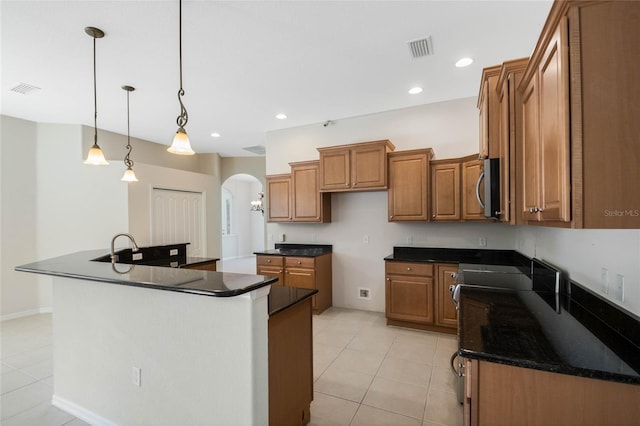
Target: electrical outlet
column 604, row 280
column 137, row 256
column 136, row 376
column 364, row 293
column 173, row 252
column 366, row 239
column 281, row 238
column 482, row 241
column 620, row 287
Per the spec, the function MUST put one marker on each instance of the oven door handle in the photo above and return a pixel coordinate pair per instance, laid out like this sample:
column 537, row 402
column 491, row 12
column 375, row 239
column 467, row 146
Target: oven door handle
column 480, row 179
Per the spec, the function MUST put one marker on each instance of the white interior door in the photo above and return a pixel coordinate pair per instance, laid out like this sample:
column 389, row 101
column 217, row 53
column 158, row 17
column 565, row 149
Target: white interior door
column 178, row 217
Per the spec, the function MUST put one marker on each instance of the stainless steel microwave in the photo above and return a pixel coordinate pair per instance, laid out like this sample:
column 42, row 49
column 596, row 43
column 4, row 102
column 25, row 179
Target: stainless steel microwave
column 490, row 199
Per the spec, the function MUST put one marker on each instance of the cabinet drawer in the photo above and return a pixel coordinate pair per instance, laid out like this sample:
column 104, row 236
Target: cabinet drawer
column 408, row 268
column 300, row 262
column 269, row 260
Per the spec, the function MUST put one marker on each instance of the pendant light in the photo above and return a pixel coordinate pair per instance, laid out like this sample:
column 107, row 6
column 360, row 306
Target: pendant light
column 181, row 144
column 129, row 175
column 95, row 156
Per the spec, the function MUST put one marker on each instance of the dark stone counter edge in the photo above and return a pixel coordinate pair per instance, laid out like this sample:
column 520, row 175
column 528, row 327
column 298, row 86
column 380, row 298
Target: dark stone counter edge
column 298, row 250
column 552, row 368
column 454, row 255
column 212, row 293
column 306, row 293
column 199, row 261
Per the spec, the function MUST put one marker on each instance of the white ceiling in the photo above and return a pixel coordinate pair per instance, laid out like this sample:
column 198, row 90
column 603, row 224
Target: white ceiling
column 246, row 61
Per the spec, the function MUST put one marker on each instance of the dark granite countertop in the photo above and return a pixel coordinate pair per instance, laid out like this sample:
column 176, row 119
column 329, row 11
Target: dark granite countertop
column 454, row 255
column 282, row 297
column 81, row 265
column 528, row 329
column 300, row 250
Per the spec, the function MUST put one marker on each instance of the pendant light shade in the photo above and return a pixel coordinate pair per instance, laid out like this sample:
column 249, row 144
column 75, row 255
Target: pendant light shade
column 181, row 144
column 129, row 175
column 95, row 157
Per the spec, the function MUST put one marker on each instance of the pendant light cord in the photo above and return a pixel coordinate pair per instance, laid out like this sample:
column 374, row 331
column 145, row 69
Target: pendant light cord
column 183, row 118
column 95, row 96
column 127, row 160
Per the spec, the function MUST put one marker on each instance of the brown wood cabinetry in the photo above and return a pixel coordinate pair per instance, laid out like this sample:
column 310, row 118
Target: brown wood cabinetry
column 309, row 204
column 453, row 189
column 445, row 190
column 446, row 312
column 471, row 208
column 279, row 208
column 510, row 129
column 272, row 266
column 296, row 197
column 579, row 150
column 290, row 365
column 203, row 266
column 355, row 167
column 506, row 395
column 409, row 185
column 412, row 293
column 303, row 272
column 489, row 111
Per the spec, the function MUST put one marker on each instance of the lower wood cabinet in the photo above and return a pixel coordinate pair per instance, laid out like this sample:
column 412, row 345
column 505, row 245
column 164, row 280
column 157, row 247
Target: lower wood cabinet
column 499, row 394
column 204, row 266
column 291, row 365
column 417, row 294
column 302, row 272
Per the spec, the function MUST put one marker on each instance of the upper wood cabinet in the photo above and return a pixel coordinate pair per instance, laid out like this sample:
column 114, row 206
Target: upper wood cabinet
column 453, row 189
column 279, row 208
column 409, row 185
column 489, row 112
column 510, row 130
column 580, row 149
column 309, row 204
column 355, row 167
column 471, row 208
column 445, row 190
column 295, row 197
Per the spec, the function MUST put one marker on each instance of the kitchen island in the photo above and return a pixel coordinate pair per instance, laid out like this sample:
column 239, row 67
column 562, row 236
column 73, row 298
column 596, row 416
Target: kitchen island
column 140, row 344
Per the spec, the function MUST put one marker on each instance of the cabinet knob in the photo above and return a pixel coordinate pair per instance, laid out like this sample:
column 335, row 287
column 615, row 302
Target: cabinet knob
column 299, row 262
column 539, row 210
column 268, row 260
column 355, row 183
column 434, row 216
column 454, row 275
column 346, row 184
column 408, row 269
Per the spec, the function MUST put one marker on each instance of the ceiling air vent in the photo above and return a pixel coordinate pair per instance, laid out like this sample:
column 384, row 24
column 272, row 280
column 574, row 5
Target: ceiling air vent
column 24, row 88
column 256, row 149
column 421, row 47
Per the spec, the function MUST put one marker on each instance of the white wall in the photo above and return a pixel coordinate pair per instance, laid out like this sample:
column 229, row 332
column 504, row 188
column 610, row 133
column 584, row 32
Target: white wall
column 18, row 216
column 247, row 226
column 583, row 252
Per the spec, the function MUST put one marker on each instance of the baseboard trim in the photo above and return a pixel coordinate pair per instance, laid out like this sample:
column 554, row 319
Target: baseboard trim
column 46, row 310
column 80, row 412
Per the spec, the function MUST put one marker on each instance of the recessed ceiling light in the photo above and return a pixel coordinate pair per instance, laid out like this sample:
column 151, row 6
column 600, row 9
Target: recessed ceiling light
column 464, row 62
column 281, row 116
column 215, row 135
column 415, row 90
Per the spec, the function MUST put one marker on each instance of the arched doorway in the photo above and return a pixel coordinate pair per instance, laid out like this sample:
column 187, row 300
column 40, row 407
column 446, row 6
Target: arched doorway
column 243, row 229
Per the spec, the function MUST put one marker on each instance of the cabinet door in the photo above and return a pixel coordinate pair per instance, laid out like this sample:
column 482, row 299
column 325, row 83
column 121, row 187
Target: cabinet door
column 308, row 202
column 279, row 207
column 302, row 278
column 272, row 271
column 408, row 187
column 446, row 314
column 530, row 151
column 471, row 209
column 409, row 298
column 335, row 170
column 445, row 193
column 368, row 167
column 554, row 128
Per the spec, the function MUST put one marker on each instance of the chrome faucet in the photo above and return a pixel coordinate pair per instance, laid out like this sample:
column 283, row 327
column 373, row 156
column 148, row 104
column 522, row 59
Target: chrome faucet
column 114, row 258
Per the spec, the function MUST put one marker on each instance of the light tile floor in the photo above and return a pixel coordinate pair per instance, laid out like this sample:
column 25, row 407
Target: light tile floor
column 365, row 373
